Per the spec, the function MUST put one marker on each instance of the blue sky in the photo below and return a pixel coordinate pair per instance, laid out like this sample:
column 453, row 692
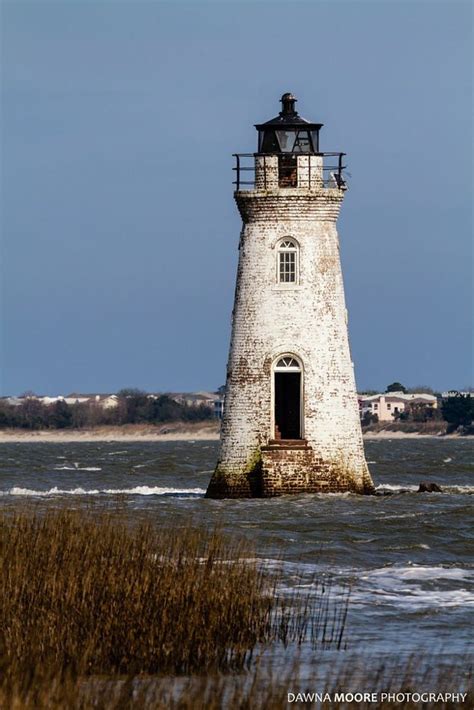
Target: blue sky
column 119, row 232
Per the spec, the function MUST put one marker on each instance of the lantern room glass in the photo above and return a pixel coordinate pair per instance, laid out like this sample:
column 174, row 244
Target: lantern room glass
column 286, row 139
column 297, row 140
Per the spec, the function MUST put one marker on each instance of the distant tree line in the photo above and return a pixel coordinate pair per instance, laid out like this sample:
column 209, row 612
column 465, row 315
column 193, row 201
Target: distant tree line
column 137, row 407
column 458, row 411
column 133, row 407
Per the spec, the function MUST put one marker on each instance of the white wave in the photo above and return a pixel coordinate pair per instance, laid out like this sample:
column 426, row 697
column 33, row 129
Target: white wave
column 391, row 487
column 77, row 468
column 447, row 460
column 446, row 488
column 459, row 489
column 371, row 461
column 116, row 453
column 416, row 588
column 407, row 587
column 421, row 572
column 154, row 491
column 137, row 490
column 17, row 491
column 417, row 599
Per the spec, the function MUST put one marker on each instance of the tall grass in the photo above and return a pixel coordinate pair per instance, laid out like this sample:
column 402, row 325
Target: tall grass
column 83, row 593
column 90, row 593
column 98, row 614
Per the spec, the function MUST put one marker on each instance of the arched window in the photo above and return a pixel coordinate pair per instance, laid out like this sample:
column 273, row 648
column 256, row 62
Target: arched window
column 288, row 363
column 287, row 262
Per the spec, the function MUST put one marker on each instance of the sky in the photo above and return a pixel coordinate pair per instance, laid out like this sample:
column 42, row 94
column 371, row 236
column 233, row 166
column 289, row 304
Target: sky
column 119, row 233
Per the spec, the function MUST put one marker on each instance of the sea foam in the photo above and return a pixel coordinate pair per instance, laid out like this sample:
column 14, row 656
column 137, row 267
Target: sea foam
column 135, row 491
column 409, row 488
column 77, row 468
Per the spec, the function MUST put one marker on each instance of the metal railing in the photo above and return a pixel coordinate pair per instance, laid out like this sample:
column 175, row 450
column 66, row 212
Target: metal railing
column 332, row 175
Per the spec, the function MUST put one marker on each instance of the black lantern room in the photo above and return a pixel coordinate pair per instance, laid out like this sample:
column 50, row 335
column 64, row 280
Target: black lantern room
column 288, row 132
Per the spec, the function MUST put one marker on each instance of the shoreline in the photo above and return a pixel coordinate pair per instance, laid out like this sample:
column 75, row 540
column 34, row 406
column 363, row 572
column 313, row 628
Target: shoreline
column 171, row 432
column 179, row 431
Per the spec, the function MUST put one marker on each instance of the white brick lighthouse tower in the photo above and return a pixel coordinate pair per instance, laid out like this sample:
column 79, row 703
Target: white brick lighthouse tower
column 291, row 418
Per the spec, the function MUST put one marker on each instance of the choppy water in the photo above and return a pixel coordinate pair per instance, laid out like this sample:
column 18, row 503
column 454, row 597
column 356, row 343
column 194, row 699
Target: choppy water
column 407, row 556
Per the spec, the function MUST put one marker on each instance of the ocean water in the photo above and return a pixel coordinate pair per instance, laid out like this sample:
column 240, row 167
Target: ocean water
column 407, row 557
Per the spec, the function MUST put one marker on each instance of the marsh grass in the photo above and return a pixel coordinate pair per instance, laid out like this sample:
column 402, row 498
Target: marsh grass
column 86, row 594
column 95, row 613
column 84, row 591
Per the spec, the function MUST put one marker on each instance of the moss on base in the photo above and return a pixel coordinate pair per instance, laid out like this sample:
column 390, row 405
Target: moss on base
column 289, row 471
column 244, row 484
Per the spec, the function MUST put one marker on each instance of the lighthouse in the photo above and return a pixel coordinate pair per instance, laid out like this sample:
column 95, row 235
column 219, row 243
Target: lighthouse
column 291, row 419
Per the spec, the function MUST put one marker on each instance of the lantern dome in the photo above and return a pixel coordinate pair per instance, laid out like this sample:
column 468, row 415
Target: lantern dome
column 288, row 132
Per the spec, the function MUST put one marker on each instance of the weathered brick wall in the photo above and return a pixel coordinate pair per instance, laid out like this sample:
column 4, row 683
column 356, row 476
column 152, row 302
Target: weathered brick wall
column 307, row 319
column 297, row 471
column 310, row 172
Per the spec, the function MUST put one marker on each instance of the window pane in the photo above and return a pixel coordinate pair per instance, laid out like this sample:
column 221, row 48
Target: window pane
column 282, row 269
column 286, row 140
column 287, row 266
column 291, row 256
column 302, row 143
column 287, row 362
column 269, row 143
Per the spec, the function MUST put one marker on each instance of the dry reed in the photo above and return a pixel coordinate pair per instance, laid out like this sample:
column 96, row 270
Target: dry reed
column 87, row 592
column 98, row 614
column 83, row 593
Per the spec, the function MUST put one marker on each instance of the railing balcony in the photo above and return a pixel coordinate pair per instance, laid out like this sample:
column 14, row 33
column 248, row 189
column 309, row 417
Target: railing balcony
column 272, row 171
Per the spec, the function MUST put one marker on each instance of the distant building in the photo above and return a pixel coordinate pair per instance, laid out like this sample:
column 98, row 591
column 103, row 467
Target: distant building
column 389, row 405
column 195, row 399
column 13, row 401
column 219, row 407
column 105, row 401
column 212, row 400
column 77, row 398
column 47, row 400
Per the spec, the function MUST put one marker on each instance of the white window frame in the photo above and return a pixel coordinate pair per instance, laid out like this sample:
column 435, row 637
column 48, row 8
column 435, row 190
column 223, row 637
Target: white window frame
column 287, row 363
column 283, row 247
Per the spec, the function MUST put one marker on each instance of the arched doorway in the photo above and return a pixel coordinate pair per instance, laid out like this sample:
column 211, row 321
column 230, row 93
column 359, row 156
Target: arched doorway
column 287, row 398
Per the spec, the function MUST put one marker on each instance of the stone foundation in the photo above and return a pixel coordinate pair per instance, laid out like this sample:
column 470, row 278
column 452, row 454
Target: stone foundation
column 289, row 468
column 236, row 485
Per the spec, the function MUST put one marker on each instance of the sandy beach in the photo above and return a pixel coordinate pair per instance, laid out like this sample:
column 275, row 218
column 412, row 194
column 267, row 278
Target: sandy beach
column 385, row 434
column 176, row 431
